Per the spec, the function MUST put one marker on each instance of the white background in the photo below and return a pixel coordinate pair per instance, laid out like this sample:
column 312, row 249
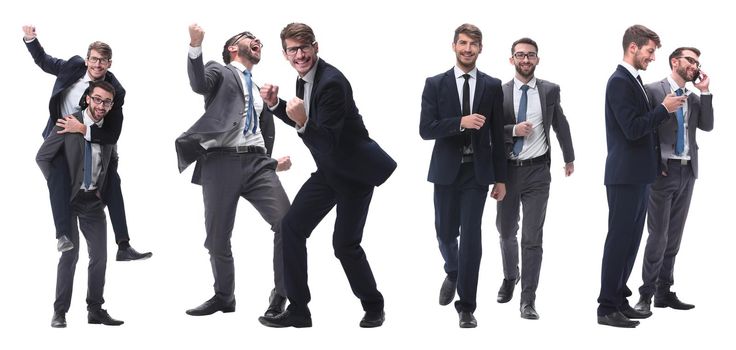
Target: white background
column 386, row 49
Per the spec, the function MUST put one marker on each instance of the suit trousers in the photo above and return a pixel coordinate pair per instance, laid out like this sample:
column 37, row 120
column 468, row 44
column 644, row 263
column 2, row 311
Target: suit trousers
column 87, row 208
column 458, row 211
column 669, row 203
column 627, row 208
column 225, row 178
column 527, row 186
column 314, row 200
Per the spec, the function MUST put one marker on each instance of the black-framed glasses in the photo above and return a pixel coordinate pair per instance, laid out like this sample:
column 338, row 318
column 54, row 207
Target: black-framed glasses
column 306, row 48
column 691, row 61
column 104, row 103
column 520, row 55
column 246, row 35
column 95, row 60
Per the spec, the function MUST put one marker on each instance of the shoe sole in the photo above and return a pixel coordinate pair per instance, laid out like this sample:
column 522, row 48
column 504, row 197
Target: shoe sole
column 662, row 306
column 268, row 323
column 106, row 324
column 632, row 325
column 64, row 249
column 224, row 311
column 145, row 257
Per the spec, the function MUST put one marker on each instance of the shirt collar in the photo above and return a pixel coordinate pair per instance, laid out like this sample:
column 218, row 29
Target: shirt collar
column 518, row 83
column 674, row 86
column 459, row 72
column 633, row 71
column 88, row 119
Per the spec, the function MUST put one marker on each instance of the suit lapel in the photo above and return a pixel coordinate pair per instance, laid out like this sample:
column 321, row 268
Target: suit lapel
column 480, row 86
column 236, row 75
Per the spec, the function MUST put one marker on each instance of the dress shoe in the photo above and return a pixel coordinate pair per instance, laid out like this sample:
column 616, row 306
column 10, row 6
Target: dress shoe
column 631, row 313
column 506, row 292
column 102, row 317
column 63, row 244
column 447, row 292
column 286, row 319
column 528, row 312
column 276, row 304
column 59, row 320
column 373, row 319
column 467, row 320
column 644, row 304
column 617, row 319
column 211, row 306
column 670, row 299
column 129, row 254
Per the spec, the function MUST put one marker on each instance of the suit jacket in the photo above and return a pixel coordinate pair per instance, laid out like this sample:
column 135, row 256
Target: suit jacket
column 631, row 124
column 67, row 73
column 335, row 133
column 73, row 147
column 440, row 121
column 224, row 104
column 699, row 116
column 552, row 115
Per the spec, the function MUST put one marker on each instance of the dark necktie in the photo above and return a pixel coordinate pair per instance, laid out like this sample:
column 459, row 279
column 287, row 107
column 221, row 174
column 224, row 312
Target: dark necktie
column 680, row 142
column 520, row 117
column 250, row 111
column 300, row 88
column 638, row 77
column 87, row 179
column 466, row 106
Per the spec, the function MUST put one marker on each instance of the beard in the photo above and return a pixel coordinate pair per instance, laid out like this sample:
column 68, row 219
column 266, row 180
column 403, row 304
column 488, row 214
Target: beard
column 245, row 51
column 685, row 75
column 526, row 75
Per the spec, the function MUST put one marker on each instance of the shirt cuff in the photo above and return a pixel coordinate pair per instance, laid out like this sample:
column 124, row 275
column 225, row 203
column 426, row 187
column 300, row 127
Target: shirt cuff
column 195, row 52
column 303, row 128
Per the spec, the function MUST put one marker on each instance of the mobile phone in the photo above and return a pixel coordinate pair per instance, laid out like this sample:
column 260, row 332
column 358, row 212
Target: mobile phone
column 696, row 76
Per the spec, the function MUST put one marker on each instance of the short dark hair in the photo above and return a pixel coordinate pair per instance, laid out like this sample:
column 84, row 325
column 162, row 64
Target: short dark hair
column 678, row 52
column 297, row 31
column 524, row 41
column 91, row 87
column 230, row 42
column 470, row 30
column 104, row 49
column 640, row 35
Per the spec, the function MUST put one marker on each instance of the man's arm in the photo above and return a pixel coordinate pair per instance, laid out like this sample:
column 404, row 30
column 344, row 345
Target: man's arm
column 47, row 63
column 561, row 126
column 622, row 99
column 431, row 125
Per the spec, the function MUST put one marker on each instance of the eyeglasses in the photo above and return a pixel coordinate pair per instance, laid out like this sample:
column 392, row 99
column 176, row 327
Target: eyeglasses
column 247, row 35
column 691, row 61
column 104, row 103
column 520, row 55
column 306, row 48
column 95, row 60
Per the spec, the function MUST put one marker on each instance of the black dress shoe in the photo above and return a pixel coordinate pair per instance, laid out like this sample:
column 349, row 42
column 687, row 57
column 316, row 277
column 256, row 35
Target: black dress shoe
column 211, row 306
column 129, row 254
column 467, row 320
column 506, row 292
column 670, row 299
column 286, row 319
column 528, row 312
column 102, row 317
column 644, row 304
column 63, row 244
column 59, row 320
column 276, row 304
column 447, row 292
column 631, row 313
column 617, row 319
column 373, row 319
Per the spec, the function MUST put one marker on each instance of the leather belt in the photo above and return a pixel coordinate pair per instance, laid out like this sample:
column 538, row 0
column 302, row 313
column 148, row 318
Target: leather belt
column 543, row 159
column 239, row 149
column 467, row 158
column 680, row 161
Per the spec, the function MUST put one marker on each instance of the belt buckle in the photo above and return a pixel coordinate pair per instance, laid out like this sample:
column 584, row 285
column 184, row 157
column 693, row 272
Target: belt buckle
column 683, row 161
column 241, row 149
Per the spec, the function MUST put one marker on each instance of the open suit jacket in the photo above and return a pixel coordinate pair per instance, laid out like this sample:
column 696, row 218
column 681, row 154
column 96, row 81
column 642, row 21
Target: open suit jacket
column 73, row 146
column 335, row 133
column 699, row 116
column 224, row 103
column 633, row 150
column 552, row 115
column 67, row 73
column 440, row 120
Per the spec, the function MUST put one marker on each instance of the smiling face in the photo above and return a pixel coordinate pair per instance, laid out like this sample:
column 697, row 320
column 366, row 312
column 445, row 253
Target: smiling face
column 99, row 102
column 301, row 55
column 97, row 65
column 249, row 49
column 642, row 56
column 466, row 51
column 525, row 60
column 686, row 65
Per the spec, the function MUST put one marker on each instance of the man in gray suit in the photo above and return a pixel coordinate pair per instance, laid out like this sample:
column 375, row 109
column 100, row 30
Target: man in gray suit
column 669, row 199
column 88, row 167
column 531, row 106
column 232, row 144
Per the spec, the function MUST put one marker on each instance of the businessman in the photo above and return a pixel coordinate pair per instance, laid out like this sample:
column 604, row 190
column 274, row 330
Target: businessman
column 88, row 164
column 669, row 198
column 72, row 79
column 462, row 110
column 349, row 166
column 232, row 143
column 631, row 166
column 531, row 107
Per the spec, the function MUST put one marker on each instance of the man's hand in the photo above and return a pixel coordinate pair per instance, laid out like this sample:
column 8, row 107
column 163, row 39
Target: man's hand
column 523, row 129
column 196, row 35
column 284, row 163
column 569, row 169
column 498, row 191
column 702, row 85
column 295, row 111
column 69, row 124
column 29, row 32
column 672, row 102
column 472, row 121
column 270, row 94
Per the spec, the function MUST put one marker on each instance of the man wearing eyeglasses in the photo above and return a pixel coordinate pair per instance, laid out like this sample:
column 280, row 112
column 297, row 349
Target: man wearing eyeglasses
column 72, row 78
column 669, row 198
column 531, row 107
column 349, row 166
column 232, row 144
column 462, row 110
column 88, row 164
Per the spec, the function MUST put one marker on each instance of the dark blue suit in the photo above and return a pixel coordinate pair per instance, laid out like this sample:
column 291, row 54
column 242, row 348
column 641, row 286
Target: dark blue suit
column 67, row 73
column 631, row 165
column 349, row 165
column 461, row 188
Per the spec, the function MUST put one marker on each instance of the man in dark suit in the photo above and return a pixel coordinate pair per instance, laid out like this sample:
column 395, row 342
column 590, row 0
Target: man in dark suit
column 88, row 164
column 669, row 199
column 349, row 165
column 631, row 166
column 72, row 78
column 462, row 111
column 531, row 106
column 232, row 144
